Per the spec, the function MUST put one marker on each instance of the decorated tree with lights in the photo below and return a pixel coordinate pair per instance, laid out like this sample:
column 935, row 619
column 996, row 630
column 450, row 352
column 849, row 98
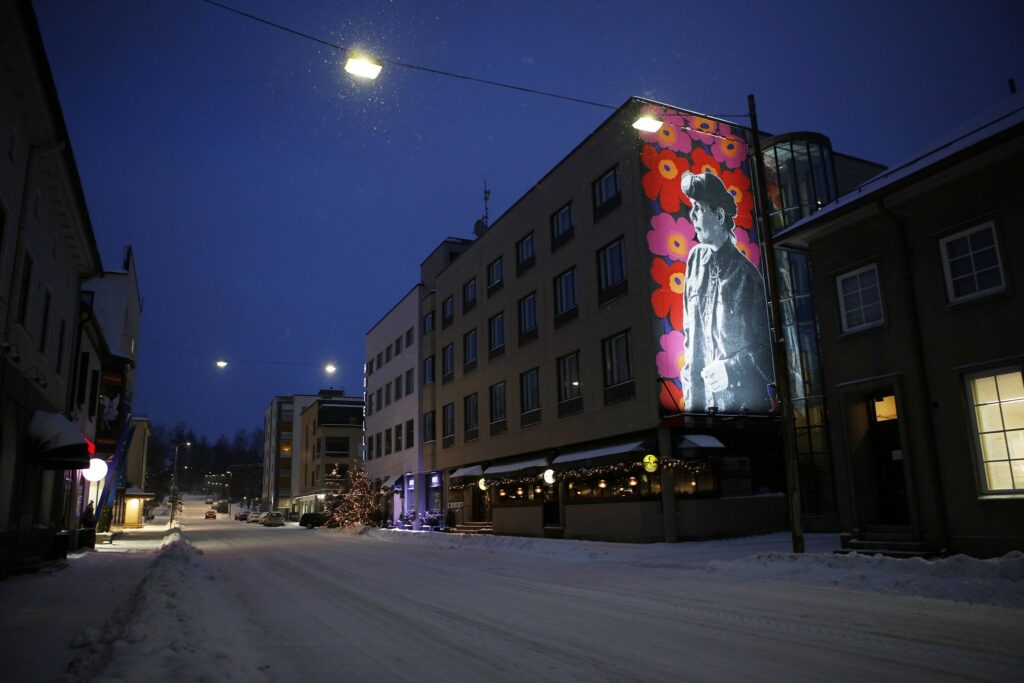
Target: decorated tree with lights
column 355, row 505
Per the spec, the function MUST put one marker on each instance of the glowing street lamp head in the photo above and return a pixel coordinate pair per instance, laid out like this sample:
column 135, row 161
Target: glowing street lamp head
column 222, row 364
column 363, row 67
column 96, row 471
column 330, row 368
column 647, row 124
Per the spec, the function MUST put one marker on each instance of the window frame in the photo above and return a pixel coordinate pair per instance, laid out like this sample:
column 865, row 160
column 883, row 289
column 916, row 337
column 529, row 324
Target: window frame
column 529, row 410
column 526, row 334
column 951, row 296
column 606, row 291
column 564, row 309
column 523, row 264
column 495, row 276
column 448, row 363
column 470, row 417
column 977, row 446
column 604, row 205
column 448, row 311
column 562, row 226
column 469, row 350
column 448, row 425
column 617, row 387
column 844, row 325
column 469, row 295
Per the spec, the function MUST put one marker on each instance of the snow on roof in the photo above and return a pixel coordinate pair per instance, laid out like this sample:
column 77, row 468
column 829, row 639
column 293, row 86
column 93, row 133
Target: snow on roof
column 987, row 124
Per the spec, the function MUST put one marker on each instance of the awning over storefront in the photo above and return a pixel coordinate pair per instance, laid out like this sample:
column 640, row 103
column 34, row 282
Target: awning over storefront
column 136, row 492
column 390, row 481
column 471, row 471
column 504, row 467
column 597, row 452
column 57, row 443
column 700, row 441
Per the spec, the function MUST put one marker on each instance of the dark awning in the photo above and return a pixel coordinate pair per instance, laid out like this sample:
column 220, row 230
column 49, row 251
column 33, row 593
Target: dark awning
column 602, row 452
column 57, row 443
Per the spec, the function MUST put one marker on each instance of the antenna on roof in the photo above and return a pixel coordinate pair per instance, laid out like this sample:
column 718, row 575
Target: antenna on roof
column 481, row 225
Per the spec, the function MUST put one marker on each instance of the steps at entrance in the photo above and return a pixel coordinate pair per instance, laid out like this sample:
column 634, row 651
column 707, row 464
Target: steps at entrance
column 474, row 528
column 889, row 547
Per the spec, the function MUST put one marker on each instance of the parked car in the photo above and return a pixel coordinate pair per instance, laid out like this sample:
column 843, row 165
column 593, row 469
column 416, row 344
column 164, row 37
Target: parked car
column 242, row 516
column 209, row 501
column 211, row 514
column 312, row 519
column 255, row 517
column 272, row 519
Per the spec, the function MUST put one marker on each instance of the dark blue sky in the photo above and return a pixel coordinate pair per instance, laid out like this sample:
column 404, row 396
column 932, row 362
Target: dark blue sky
column 278, row 208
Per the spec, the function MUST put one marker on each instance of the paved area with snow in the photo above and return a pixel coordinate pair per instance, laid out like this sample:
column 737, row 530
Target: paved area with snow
column 219, row 600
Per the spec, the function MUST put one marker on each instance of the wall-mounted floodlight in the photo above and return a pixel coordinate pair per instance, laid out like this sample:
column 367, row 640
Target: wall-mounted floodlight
column 330, row 368
column 363, row 67
column 647, row 124
column 222, row 364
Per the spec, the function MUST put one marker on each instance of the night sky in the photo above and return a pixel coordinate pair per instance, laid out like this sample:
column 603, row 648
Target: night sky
column 278, row 208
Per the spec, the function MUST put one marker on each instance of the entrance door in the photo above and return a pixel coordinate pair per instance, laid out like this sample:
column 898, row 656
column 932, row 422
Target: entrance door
column 481, row 505
column 884, row 474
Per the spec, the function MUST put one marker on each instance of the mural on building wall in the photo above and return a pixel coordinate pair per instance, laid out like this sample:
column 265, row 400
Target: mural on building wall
column 112, row 408
column 708, row 296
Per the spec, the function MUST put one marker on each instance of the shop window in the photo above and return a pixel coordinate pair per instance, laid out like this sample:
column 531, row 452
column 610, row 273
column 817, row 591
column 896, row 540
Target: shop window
column 971, row 263
column 997, row 417
column 860, row 302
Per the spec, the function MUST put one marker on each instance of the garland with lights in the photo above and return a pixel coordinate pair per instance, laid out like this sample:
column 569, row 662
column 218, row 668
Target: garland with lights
column 686, row 466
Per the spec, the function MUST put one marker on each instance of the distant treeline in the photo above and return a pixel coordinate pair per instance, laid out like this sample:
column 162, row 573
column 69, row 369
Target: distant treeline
column 196, row 461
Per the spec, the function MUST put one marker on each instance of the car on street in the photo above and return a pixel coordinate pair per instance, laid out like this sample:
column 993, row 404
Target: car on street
column 242, row 516
column 255, row 517
column 209, row 501
column 211, row 514
column 272, row 519
column 312, row 519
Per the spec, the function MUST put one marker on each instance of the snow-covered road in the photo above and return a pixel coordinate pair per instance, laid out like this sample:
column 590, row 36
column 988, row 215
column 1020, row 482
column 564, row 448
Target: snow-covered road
column 234, row 601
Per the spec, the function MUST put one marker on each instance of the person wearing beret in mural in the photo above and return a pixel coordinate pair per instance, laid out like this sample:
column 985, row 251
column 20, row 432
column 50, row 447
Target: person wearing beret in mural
column 728, row 358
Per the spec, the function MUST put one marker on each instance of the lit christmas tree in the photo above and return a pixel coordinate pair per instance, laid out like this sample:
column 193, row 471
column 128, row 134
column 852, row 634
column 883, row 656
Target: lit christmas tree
column 355, row 505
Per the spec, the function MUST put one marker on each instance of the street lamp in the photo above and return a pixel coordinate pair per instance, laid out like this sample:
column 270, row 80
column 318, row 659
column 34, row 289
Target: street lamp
column 174, row 480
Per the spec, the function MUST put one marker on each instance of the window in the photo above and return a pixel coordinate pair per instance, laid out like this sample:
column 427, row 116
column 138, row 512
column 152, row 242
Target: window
column 398, row 387
column 971, row 262
column 565, row 296
column 428, row 427
column 470, row 416
column 408, row 432
column 60, row 345
column 44, row 328
column 410, row 335
column 380, row 360
column 528, row 317
column 529, row 391
column 524, row 254
column 860, row 304
column 498, row 402
column 447, row 311
column 997, row 400
column 618, row 368
column 398, row 438
column 369, row 448
column 380, row 398
column 409, row 379
column 380, row 452
column 611, row 268
column 494, row 275
column 387, row 394
column 561, row 226
column 369, row 367
column 496, row 334
column 428, row 370
column 387, row 441
column 428, row 322
column 447, row 363
column 606, row 193
column 469, row 350
column 369, row 404
column 448, row 424
column 398, row 346
column 387, row 353
column 26, row 283
column 569, row 377
column 469, row 295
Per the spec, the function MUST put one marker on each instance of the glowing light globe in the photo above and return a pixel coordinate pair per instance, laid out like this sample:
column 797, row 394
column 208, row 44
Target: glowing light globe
column 97, row 470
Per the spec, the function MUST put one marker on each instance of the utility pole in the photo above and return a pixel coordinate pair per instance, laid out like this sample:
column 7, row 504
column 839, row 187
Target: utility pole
column 174, row 481
column 778, row 343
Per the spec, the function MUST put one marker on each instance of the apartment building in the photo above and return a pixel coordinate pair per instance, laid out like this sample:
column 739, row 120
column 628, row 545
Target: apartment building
column 332, row 436
column 560, row 404
column 282, row 443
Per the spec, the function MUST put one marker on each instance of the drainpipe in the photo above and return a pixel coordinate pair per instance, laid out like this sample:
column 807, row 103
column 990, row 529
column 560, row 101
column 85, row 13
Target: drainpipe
column 919, row 351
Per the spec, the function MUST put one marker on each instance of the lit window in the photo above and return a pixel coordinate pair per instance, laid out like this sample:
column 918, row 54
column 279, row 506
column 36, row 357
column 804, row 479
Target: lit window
column 997, row 401
column 970, row 260
column 860, row 302
column 569, row 377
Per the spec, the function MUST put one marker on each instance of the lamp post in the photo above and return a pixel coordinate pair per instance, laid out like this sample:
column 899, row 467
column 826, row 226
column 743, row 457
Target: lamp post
column 174, row 480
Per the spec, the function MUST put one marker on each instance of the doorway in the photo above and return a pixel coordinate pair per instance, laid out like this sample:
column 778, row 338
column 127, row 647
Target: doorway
column 878, row 461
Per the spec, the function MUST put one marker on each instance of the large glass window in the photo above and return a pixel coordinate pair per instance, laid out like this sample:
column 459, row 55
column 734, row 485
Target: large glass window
column 971, row 263
column 447, row 362
column 469, row 348
column 497, row 402
column 997, row 400
column 860, row 303
column 618, row 367
column 565, row 292
column 529, row 391
column 496, row 332
column 569, row 376
column 524, row 254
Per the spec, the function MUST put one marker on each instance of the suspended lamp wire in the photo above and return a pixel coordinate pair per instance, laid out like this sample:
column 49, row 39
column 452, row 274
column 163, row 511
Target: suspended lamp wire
column 407, row 65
